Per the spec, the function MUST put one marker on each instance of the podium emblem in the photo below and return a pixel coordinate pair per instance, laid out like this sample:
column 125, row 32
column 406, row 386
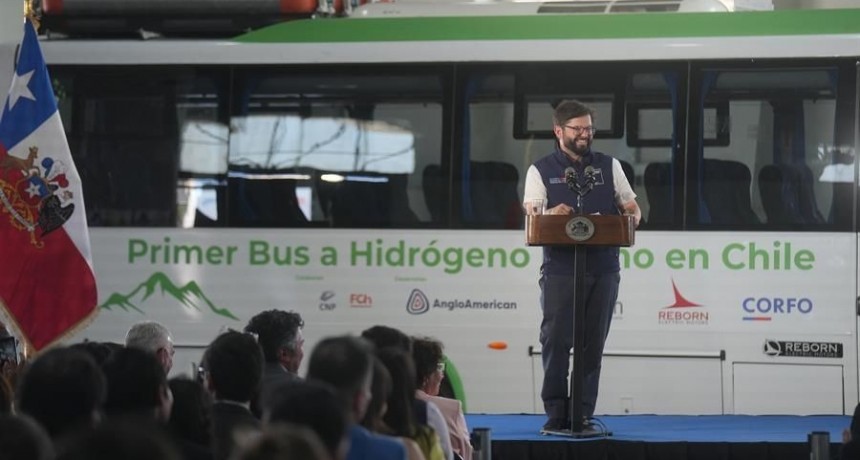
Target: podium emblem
column 579, row 228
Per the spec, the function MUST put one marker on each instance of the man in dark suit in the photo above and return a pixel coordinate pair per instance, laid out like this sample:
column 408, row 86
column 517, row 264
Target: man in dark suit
column 279, row 334
column 232, row 370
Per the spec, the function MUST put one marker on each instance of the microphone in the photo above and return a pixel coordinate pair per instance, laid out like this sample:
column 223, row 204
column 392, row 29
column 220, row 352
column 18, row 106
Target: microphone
column 590, row 176
column 571, row 178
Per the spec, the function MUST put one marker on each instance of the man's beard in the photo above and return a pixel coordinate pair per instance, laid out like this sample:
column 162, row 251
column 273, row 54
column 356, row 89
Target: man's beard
column 573, row 146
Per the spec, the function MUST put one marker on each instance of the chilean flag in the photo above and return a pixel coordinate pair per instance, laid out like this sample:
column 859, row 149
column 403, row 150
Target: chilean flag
column 47, row 284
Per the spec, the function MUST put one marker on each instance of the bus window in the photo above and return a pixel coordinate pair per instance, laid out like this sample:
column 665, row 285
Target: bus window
column 128, row 127
column 767, row 174
column 333, row 150
column 639, row 118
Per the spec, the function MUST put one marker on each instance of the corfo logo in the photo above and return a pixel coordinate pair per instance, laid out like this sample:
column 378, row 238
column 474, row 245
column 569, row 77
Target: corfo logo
column 682, row 311
column 327, row 301
column 765, row 308
column 802, row 349
column 417, row 303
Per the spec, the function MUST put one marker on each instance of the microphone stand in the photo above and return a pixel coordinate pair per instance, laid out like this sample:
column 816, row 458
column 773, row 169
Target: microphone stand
column 576, row 373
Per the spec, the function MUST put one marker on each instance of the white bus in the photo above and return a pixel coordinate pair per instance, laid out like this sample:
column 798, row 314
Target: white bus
column 370, row 171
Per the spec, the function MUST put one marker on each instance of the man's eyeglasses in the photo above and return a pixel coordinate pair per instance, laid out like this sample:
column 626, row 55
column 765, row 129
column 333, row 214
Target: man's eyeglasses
column 590, row 130
column 440, row 367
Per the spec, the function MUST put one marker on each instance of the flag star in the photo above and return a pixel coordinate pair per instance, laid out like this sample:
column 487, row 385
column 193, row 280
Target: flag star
column 20, row 88
column 34, row 190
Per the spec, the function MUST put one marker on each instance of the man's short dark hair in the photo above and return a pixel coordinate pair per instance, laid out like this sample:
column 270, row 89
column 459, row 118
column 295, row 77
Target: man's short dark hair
column 570, row 109
column 61, row 389
column 275, row 329
column 234, row 362
column 132, row 439
column 343, row 362
column 312, row 404
column 135, row 380
column 385, row 336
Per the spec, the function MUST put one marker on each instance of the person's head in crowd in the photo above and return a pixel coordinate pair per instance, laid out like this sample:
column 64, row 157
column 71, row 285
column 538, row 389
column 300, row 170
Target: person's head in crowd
column 62, row 389
column 21, row 438
column 385, row 336
column 283, row 442
column 280, row 336
column 314, row 405
column 400, row 414
column 191, row 417
column 99, row 351
column 233, row 366
column 136, row 385
column 122, row 439
column 380, row 390
column 429, row 364
column 154, row 338
column 345, row 363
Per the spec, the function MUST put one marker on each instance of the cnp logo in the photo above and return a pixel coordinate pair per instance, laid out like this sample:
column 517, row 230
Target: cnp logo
column 765, row 308
column 360, row 300
column 417, row 303
column 327, row 301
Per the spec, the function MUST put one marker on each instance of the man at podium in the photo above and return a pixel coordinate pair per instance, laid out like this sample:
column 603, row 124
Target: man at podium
column 576, row 180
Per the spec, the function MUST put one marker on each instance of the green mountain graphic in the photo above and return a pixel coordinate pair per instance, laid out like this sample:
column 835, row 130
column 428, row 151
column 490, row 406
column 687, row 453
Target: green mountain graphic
column 190, row 296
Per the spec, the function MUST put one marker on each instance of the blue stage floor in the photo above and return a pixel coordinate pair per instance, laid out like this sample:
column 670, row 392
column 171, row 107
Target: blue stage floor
column 676, row 428
column 665, row 436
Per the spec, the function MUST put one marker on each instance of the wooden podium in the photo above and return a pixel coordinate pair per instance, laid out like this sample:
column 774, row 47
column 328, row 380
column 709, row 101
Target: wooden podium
column 579, row 231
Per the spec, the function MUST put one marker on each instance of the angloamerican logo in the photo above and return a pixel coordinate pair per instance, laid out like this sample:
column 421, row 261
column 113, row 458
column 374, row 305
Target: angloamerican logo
column 418, row 303
column 682, row 311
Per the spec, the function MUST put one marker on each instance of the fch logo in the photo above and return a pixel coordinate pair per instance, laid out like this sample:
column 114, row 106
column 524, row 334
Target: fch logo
column 359, row 300
column 417, row 303
column 682, row 311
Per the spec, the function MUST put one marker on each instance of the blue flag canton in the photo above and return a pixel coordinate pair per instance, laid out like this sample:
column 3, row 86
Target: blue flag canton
column 31, row 98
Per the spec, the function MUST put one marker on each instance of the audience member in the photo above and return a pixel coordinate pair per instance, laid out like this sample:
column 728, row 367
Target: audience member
column 374, row 418
column 232, row 370
column 21, row 438
column 283, row 442
column 62, row 389
column 400, row 416
column 279, row 334
column 313, row 405
column 346, row 363
column 426, row 412
column 121, row 440
column 154, row 338
column 385, row 336
column 136, row 386
column 99, row 351
column 430, row 370
column 191, row 417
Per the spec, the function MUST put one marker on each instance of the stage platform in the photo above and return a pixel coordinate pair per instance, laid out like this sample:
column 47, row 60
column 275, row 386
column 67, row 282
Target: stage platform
column 665, row 437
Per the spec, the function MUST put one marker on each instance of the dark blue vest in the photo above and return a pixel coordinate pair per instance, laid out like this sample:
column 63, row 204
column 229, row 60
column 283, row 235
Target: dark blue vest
column 601, row 199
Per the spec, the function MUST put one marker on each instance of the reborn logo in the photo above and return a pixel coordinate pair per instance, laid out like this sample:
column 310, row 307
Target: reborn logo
column 682, row 312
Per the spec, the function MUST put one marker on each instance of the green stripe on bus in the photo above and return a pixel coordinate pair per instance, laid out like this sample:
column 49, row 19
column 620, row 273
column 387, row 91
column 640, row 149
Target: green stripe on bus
column 456, row 382
column 557, row 26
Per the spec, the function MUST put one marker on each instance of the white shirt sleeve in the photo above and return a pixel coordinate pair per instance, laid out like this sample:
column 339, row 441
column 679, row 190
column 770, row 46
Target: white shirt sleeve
column 534, row 188
column 623, row 191
column 436, row 421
